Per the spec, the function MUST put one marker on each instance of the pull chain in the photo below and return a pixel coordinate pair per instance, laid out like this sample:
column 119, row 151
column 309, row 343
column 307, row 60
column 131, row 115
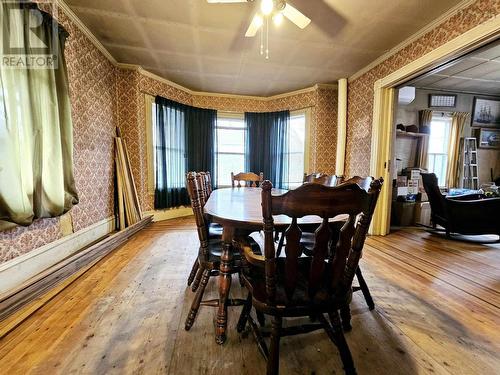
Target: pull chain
column 267, row 38
column 262, row 41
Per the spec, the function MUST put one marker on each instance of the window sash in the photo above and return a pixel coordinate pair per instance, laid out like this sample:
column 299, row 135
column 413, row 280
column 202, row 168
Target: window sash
column 239, row 126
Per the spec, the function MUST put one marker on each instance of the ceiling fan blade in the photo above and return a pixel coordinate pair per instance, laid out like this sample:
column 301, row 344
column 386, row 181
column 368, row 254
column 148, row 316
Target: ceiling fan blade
column 255, row 25
column 296, row 16
column 226, row 1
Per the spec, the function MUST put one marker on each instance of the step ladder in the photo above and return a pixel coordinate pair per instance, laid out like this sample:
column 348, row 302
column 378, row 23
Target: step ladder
column 470, row 179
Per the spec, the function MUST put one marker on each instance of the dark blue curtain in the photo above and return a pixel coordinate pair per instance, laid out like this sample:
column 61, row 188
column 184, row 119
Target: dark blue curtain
column 184, row 139
column 267, row 145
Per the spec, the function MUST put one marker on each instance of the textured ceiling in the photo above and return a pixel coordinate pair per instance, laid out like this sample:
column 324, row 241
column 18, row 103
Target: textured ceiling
column 202, row 46
column 478, row 72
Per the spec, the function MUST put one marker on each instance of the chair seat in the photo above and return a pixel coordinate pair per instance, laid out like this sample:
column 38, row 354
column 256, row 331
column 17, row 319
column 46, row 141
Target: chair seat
column 302, row 301
column 215, row 245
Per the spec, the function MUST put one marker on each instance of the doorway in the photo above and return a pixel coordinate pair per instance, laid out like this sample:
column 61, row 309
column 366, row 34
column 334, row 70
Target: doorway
column 383, row 128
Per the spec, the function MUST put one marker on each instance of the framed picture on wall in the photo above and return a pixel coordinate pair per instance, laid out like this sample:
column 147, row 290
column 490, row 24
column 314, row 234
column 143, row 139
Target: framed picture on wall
column 486, row 112
column 489, row 138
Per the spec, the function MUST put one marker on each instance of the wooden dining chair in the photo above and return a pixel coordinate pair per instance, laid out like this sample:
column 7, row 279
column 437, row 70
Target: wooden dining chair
column 214, row 230
column 345, row 313
column 294, row 285
column 323, row 179
column 209, row 253
column 248, row 179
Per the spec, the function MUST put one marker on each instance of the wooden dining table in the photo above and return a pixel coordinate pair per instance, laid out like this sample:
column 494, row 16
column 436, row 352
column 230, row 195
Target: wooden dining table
column 236, row 209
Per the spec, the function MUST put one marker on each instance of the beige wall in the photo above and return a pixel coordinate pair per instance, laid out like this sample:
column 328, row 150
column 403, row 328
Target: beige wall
column 360, row 90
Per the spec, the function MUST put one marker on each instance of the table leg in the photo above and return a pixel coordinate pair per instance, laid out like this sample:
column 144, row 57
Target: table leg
column 226, row 266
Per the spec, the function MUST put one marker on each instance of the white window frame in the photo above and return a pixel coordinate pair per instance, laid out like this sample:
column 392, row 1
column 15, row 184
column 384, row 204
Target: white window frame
column 440, row 116
column 306, row 112
column 230, row 116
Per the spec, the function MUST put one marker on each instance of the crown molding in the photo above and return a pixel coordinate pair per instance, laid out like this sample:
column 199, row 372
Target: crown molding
column 430, row 26
column 85, row 30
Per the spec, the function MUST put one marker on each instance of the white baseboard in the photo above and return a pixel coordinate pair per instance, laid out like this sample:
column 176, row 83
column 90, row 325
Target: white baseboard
column 22, row 268
column 170, row 214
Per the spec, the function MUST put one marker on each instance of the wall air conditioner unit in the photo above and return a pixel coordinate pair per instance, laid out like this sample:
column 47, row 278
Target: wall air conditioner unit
column 406, row 95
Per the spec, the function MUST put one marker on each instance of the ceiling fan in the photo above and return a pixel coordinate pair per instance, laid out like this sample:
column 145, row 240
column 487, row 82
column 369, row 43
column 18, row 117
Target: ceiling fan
column 276, row 9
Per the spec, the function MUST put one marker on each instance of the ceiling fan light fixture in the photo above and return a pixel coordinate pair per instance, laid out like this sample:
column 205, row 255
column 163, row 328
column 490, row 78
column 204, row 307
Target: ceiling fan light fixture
column 278, row 19
column 259, row 21
column 266, row 6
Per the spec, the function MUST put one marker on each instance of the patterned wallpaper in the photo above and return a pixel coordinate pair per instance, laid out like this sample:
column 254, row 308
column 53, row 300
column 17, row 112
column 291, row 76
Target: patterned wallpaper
column 360, row 90
column 92, row 92
column 104, row 97
column 322, row 101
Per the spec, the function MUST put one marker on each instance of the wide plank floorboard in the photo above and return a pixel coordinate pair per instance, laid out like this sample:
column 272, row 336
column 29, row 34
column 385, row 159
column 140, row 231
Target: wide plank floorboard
column 437, row 312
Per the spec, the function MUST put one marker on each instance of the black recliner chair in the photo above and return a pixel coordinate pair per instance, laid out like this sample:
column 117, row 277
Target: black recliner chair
column 469, row 214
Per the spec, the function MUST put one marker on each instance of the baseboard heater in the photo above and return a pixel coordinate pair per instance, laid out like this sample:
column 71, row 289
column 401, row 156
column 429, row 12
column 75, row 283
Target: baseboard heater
column 40, row 289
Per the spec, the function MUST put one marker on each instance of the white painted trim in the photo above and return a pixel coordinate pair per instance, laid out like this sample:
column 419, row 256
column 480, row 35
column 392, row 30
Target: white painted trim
column 306, row 112
column 148, row 125
column 17, row 271
column 341, row 127
column 382, row 126
column 173, row 213
column 430, row 26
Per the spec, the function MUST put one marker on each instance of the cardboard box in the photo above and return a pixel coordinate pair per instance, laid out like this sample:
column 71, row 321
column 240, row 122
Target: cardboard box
column 403, row 190
column 414, row 174
column 413, row 186
column 423, row 213
column 402, row 181
column 403, row 213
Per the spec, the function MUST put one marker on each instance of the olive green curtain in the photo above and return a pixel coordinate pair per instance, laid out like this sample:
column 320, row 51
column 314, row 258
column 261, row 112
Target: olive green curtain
column 424, row 126
column 456, row 133
column 36, row 134
column 424, row 121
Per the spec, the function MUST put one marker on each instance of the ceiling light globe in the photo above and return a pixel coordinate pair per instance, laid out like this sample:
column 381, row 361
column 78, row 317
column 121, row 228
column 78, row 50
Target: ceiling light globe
column 278, row 19
column 259, row 21
column 267, row 7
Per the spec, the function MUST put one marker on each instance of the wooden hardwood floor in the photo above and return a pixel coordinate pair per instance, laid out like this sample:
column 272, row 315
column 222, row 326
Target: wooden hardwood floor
column 437, row 311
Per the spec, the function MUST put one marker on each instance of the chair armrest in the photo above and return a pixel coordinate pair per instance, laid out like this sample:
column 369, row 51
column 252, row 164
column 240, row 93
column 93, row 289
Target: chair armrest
column 245, row 247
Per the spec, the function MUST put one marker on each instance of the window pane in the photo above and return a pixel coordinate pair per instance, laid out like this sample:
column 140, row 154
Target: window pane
column 296, row 171
column 227, row 164
column 234, row 123
column 231, row 140
column 231, row 133
column 438, row 147
column 297, row 135
column 438, row 141
column 437, row 165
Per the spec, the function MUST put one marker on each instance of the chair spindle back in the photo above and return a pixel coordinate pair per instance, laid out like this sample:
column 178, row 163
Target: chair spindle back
column 323, row 179
column 248, row 179
column 195, row 191
column 326, row 275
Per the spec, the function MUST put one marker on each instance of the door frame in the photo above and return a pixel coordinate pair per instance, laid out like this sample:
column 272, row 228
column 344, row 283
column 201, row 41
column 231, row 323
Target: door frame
column 383, row 108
